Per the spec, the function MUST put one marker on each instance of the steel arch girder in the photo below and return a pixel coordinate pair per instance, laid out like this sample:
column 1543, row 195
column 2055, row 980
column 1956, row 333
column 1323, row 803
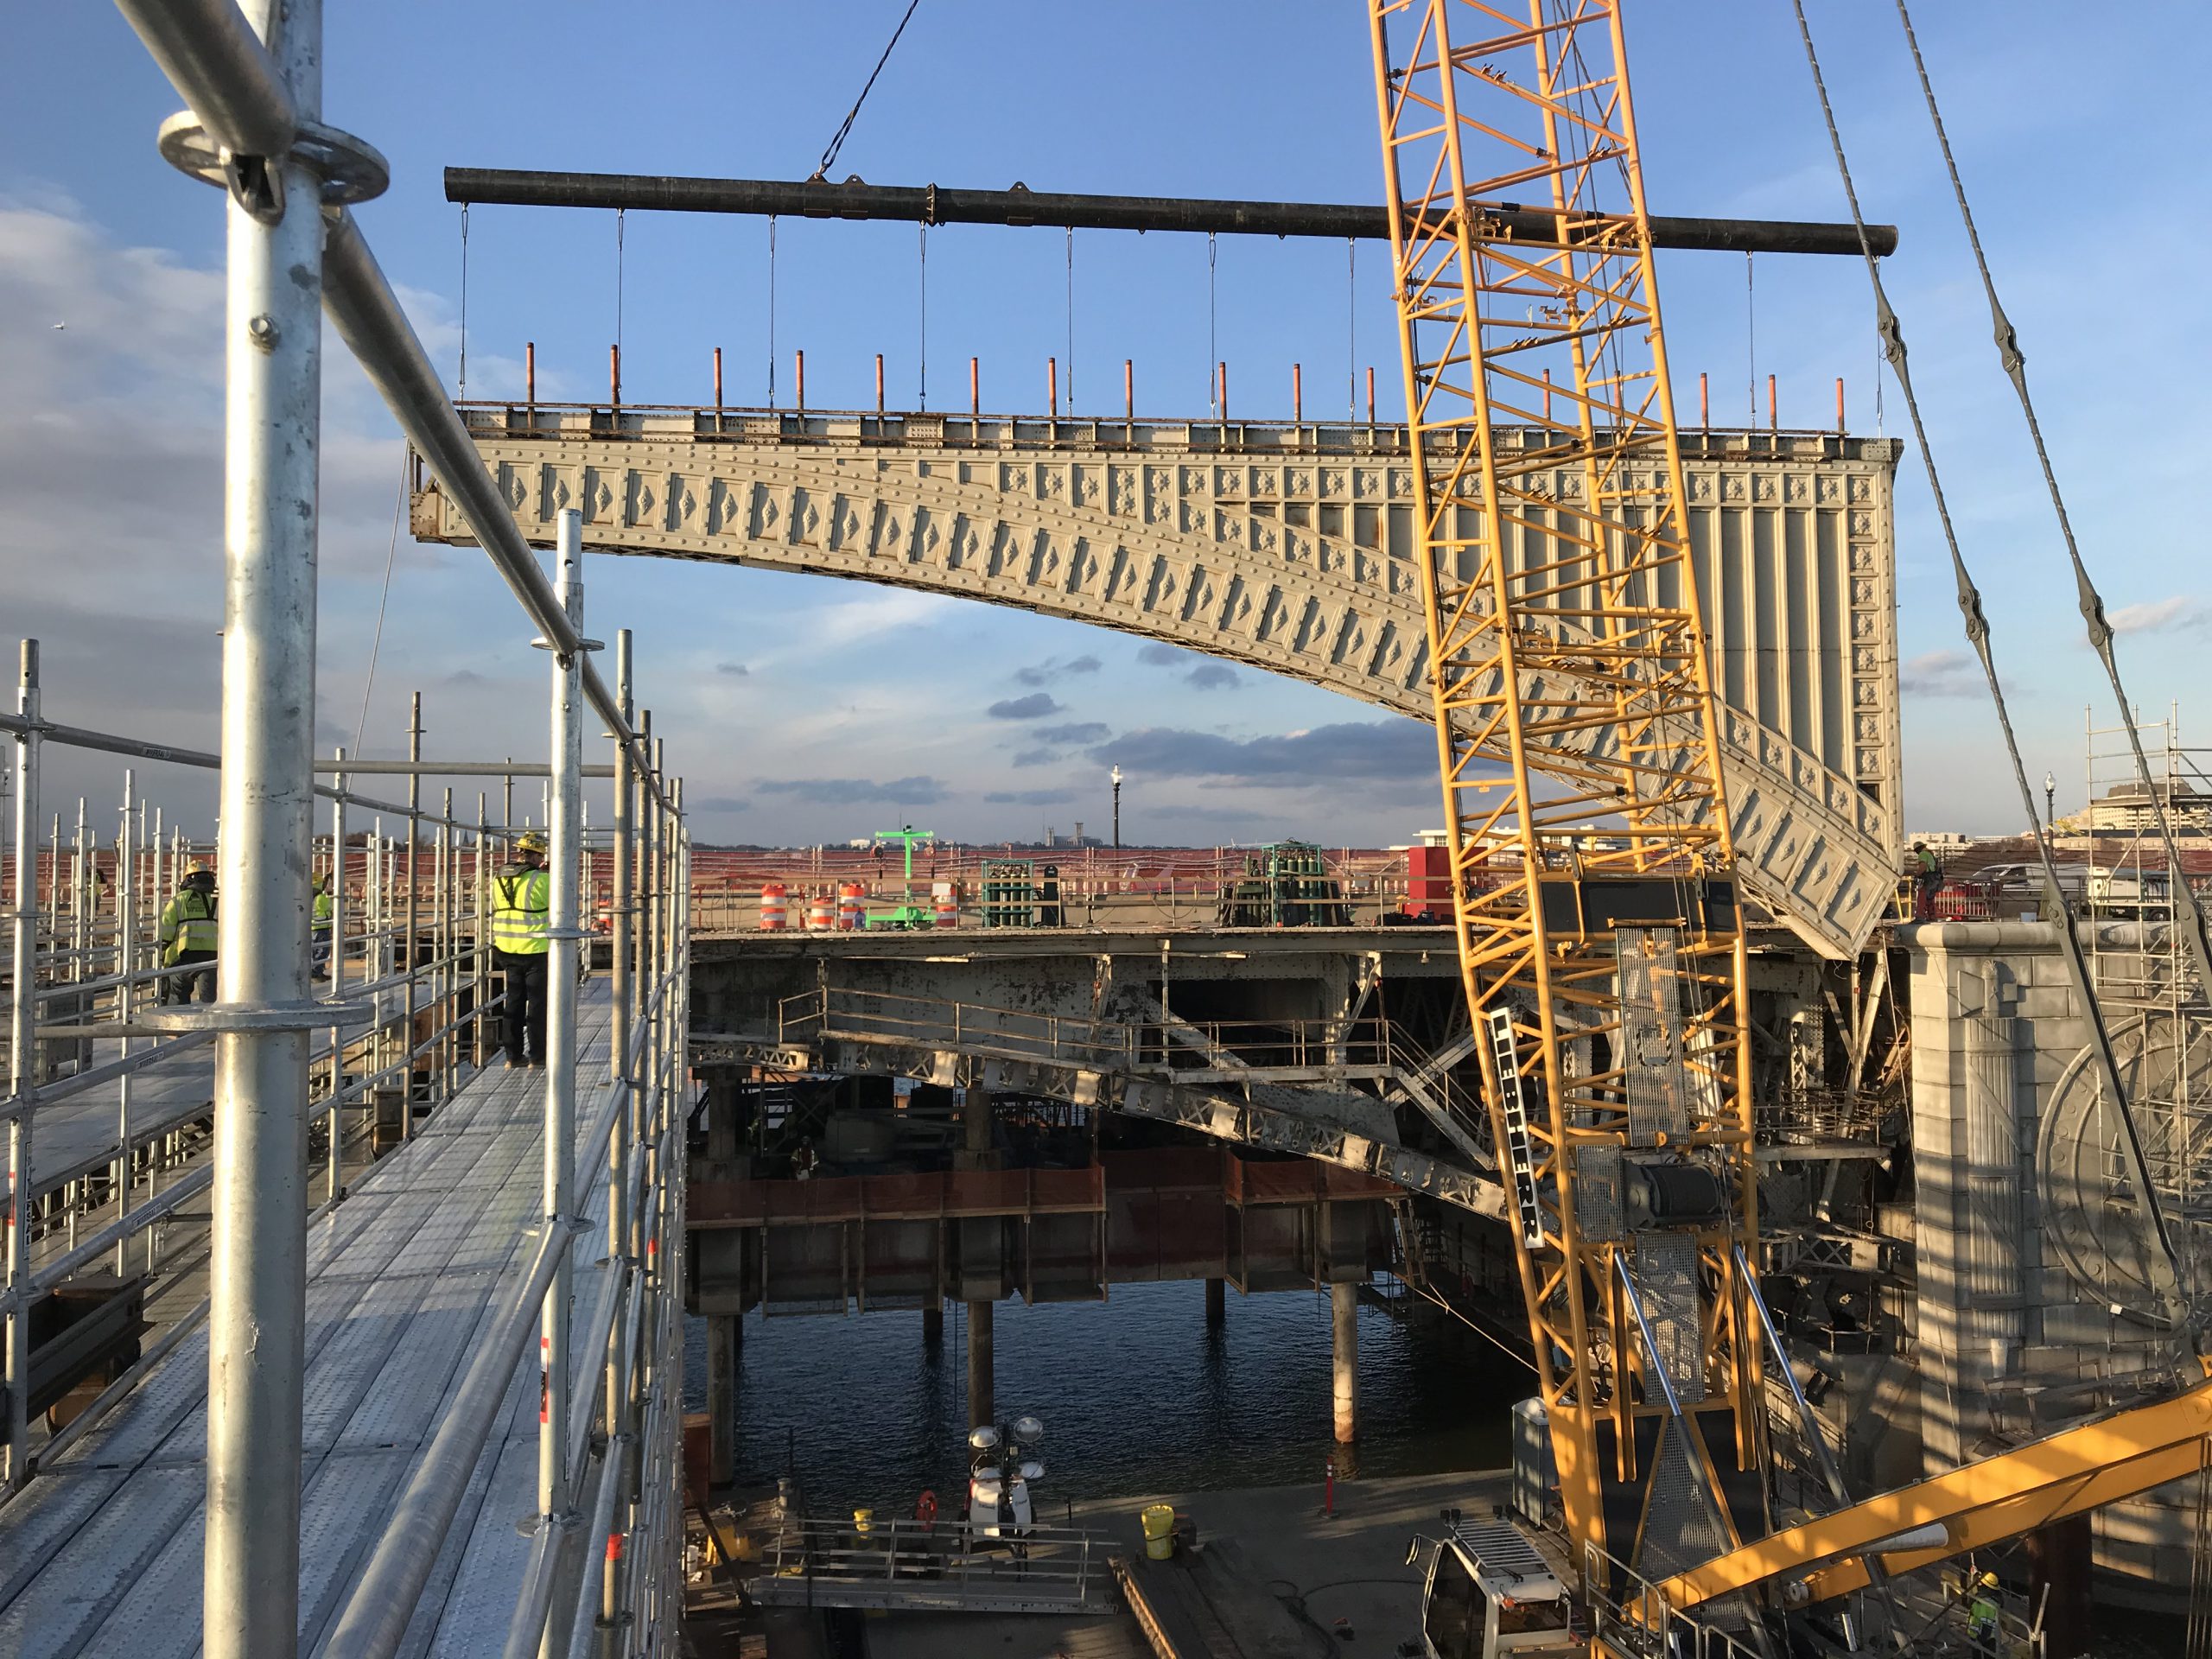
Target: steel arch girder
column 1291, row 563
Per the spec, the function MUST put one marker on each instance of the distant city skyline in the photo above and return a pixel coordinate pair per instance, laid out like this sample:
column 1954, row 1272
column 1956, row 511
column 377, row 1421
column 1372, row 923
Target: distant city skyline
column 803, row 711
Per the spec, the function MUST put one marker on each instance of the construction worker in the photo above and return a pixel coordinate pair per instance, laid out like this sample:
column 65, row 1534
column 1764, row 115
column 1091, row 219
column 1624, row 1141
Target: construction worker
column 1983, row 1624
column 187, row 936
column 1926, row 879
column 522, row 898
column 325, row 909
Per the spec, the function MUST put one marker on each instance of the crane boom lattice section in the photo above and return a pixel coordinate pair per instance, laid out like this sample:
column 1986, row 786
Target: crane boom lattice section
column 1599, row 933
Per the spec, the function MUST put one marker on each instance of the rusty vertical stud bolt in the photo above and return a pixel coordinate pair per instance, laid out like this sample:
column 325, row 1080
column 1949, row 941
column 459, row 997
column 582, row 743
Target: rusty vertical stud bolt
column 975, row 386
column 529, row 373
column 718, row 379
column 799, row 377
column 878, row 383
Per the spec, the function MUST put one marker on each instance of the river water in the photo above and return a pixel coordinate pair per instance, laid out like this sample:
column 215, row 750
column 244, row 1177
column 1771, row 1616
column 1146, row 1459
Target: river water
column 1137, row 1396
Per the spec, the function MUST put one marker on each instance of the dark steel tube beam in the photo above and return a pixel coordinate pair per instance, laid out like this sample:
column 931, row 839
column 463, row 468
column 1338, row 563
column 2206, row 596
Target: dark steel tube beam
column 935, row 205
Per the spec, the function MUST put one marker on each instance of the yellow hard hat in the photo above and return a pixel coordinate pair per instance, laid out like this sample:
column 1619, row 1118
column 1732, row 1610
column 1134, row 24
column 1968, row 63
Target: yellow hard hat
column 531, row 842
column 1988, row 1580
column 202, row 867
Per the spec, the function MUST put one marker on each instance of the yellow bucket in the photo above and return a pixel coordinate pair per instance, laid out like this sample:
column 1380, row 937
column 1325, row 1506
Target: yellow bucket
column 1159, row 1530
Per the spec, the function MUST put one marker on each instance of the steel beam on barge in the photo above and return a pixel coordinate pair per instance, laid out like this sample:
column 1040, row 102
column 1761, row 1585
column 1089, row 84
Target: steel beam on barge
column 936, row 204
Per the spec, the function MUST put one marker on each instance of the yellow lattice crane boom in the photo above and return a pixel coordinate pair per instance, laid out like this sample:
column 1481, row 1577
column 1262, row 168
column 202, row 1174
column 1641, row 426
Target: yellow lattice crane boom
column 1599, row 931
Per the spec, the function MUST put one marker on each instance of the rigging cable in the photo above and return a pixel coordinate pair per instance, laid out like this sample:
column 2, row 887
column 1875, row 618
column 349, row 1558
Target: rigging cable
column 1213, row 375
column 837, row 143
column 618, row 213
column 1750, row 340
column 1892, row 333
column 1070, row 320
column 1351, row 331
column 922, row 326
column 376, row 640
column 772, row 310
column 462, row 389
column 2091, row 602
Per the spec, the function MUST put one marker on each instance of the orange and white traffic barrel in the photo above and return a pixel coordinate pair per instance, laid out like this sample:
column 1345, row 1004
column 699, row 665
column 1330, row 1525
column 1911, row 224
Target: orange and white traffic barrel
column 821, row 914
column 775, row 908
column 945, row 904
column 852, row 899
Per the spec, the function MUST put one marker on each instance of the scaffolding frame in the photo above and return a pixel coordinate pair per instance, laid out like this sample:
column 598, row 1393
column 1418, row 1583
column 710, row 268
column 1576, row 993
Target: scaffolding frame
column 2140, row 962
column 253, row 128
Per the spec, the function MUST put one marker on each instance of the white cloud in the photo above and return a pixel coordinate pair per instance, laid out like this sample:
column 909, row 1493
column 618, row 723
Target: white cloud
column 2157, row 615
column 1939, row 674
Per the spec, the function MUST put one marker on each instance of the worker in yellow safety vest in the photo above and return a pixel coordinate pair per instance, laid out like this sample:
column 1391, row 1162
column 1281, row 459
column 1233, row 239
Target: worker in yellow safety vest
column 1983, row 1622
column 187, row 936
column 325, row 910
column 522, row 897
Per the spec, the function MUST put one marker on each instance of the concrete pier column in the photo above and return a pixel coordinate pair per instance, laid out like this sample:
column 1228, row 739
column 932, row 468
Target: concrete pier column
column 933, row 1324
column 1344, row 1307
column 982, row 1408
column 721, row 1396
column 1217, row 1301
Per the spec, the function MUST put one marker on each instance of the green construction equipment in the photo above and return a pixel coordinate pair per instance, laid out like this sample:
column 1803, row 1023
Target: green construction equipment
column 1285, row 884
column 906, row 912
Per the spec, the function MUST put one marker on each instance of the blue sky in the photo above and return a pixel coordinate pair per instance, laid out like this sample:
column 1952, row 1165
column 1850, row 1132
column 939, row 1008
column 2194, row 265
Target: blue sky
column 857, row 705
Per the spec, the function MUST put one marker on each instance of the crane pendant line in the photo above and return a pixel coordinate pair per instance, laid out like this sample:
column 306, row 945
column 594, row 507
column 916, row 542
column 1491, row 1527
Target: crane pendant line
column 1595, row 904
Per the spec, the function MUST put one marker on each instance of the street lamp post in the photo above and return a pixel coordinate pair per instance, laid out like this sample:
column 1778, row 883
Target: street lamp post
column 2050, row 803
column 1117, row 809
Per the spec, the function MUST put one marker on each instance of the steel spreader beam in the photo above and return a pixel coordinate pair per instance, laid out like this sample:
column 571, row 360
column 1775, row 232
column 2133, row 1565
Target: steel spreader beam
column 932, row 204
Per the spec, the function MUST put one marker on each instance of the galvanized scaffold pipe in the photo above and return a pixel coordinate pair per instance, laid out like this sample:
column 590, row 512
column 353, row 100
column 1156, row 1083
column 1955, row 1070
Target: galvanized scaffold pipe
column 258, row 1268
column 336, row 947
column 554, row 1478
column 619, row 930
column 22, row 1064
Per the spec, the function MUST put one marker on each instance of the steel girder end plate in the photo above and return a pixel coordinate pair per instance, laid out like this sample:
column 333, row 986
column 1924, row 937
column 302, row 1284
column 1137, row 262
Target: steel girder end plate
column 350, row 169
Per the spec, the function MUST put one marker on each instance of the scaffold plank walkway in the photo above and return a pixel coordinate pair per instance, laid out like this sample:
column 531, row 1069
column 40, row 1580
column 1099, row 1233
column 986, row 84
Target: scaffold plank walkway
column 77, row 1131
column 101, row 1554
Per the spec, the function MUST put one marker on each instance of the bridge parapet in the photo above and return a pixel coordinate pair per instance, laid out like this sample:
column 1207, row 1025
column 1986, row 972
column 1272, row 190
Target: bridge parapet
column 1285, row 547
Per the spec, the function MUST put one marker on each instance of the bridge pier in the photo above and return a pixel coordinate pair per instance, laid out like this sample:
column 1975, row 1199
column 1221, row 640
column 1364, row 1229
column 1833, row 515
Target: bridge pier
column 981, row 1408
column 975, row 1153
column 724, row 1335
column 1343, row 1308
column 1217, row 1303
column 933, row 1324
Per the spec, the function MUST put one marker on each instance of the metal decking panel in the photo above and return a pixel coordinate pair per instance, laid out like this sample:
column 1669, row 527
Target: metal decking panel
column 481, row 1604
column 60, row 1610
column 102, row 1554
column 520, row 1409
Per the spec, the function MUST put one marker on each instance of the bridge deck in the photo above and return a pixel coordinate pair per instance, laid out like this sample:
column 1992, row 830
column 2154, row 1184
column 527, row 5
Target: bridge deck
column 78, row 1133
column 101, row 1554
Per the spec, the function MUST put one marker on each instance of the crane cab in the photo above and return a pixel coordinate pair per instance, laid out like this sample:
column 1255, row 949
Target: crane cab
column 1490, row 1595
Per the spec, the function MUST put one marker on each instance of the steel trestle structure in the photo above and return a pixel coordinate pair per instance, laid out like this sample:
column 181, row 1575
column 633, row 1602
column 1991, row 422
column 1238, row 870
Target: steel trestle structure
column 1600, row 937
